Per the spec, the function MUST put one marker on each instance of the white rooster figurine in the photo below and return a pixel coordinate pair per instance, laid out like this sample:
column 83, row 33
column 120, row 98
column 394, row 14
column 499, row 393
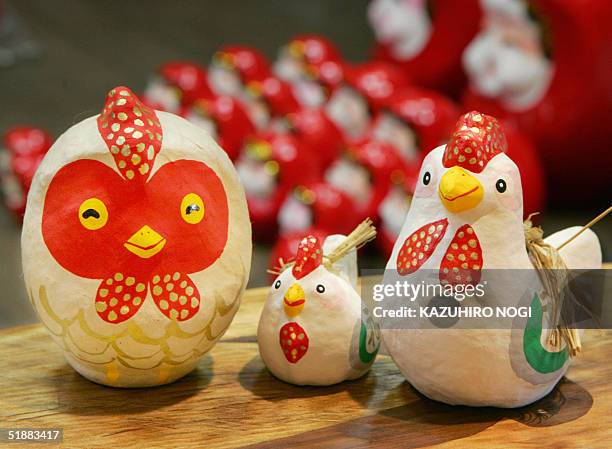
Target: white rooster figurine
column 466, row 216
column 314, row 329
column 136, row 244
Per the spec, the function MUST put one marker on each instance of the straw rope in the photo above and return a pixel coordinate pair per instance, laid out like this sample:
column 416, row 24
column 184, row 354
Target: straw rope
column 555, row 276
column 361, row 235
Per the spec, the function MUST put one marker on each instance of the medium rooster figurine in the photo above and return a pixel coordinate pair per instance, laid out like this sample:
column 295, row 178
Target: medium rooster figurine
column 464, row 225
column 314, row 328
column 136, row 244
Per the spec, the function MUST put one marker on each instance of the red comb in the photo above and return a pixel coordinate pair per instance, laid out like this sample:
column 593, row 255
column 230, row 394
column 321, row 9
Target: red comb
column 131, row 131
column 308, row 257
column 476, row 140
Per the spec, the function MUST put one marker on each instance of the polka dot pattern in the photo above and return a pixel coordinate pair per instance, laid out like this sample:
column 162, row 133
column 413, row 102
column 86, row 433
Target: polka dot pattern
column 119, row 297
column 419, row 246
column 176, row 295
column 308, row 257
column 476, row 140
column 132, row 133
column 293, row 341
column 462, row 262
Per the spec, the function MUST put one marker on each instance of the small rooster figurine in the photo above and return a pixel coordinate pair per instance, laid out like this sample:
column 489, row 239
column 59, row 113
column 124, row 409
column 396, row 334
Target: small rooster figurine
column 465, row 218
column 314, row 329
column 136, row 244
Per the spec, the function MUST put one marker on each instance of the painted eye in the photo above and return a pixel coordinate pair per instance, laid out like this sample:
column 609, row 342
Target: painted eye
column 501, row 186
column 93, row 214
column 426, row 185
column 277, row 284
column 192, row 208
column 320, row 288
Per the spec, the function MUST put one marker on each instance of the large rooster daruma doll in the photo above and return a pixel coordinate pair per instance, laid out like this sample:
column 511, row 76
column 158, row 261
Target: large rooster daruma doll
column 136, row 244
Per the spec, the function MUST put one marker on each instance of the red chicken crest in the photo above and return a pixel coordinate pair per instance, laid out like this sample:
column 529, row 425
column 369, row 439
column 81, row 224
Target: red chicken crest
column 134, row 234
column 309, row 256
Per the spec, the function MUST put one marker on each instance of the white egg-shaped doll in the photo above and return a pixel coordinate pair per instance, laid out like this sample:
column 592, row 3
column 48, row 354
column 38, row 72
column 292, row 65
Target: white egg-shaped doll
column 136, row 244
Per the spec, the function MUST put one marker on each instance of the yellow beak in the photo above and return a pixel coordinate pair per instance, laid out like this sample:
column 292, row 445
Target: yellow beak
column 145, row 242
column 459, row 190
column 294, row 300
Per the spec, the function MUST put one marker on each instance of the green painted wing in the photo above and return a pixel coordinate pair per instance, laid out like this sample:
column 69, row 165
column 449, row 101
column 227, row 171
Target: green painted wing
column 540, row 359
column 369, row 339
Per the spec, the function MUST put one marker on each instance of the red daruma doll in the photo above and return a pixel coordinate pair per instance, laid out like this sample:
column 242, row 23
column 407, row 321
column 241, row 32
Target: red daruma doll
column 269, row 166
column 23, row 150
column 425, row 38
column 230, row 72
column 176, row 85
column 225, row 119
column 313, row 66
column 317, row 208
column 541, row 64
column 367, row 88
column 415, row 121
column 364, row 172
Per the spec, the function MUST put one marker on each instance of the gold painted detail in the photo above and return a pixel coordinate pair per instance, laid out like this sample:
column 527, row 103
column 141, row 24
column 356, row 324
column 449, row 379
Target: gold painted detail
column 109, row 367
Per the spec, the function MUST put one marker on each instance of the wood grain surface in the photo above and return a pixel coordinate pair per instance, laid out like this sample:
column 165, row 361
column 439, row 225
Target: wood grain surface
column 232, row 401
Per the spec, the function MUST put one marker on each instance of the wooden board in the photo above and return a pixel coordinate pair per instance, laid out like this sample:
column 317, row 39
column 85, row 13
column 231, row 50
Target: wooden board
column 232, row 401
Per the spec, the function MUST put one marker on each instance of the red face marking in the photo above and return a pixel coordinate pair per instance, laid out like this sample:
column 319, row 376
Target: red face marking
column 100, row 253
column 462, row 262
column 419, row 246
column 93, row 253
column 293, row 341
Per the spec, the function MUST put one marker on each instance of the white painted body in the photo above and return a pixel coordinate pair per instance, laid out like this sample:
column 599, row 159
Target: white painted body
column 473, row 366
column 147, row 349
column 332, row 321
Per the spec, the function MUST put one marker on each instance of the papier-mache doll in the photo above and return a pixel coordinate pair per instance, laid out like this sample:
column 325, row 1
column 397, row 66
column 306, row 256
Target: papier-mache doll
column 313, row 66
column 538, row 64
column 232, row 69
column 314, row 328
column 136, row 244
column 366, row 89
column 23, row 148
column 176, row 85
column 270, row 165
column 425, row 38
column 465, row 226
column 318, row 209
